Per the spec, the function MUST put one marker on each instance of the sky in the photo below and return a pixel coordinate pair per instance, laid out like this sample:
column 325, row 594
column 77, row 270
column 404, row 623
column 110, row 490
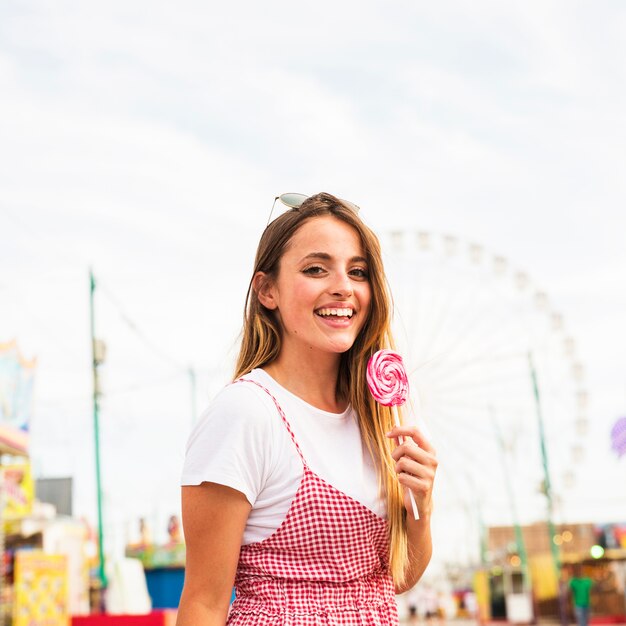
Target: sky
column 148, row 140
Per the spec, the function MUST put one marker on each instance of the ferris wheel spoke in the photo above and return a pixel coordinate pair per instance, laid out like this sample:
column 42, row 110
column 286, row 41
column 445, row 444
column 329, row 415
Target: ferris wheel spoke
column 485, row 456
column 468, row 374
column 490, row 333
column 466, row 328
column 448, row 305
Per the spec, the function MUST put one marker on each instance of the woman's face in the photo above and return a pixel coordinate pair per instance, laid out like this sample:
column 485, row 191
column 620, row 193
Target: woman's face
column 322, row 293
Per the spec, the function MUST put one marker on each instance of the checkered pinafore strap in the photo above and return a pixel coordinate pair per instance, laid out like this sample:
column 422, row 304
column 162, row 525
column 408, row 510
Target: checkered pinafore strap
column 281, row 413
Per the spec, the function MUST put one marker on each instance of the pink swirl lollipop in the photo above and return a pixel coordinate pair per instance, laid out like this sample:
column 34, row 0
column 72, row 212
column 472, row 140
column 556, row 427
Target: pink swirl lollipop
column 387, row 379
column 389, row 384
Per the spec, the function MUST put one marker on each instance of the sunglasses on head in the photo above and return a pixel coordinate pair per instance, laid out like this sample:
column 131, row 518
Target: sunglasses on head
column 295, row 201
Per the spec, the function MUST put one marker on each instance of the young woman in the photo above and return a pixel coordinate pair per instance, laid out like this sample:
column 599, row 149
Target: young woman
column 293, row 488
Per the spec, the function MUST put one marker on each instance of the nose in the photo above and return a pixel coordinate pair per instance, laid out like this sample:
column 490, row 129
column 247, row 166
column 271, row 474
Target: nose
column 342, row 286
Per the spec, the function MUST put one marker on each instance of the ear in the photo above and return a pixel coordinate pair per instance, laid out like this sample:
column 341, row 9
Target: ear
column 264, row 288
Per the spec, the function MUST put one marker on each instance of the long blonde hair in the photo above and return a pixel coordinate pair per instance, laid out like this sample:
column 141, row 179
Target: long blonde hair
column 261, row 344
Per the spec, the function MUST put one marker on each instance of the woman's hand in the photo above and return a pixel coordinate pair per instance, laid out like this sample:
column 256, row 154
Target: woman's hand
column 416, row 465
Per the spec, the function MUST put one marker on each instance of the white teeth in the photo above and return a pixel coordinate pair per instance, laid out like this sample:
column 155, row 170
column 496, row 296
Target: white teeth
column 335, row 312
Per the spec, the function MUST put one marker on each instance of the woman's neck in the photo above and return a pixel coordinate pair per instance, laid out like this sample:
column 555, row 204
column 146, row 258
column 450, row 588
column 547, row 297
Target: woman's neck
column 313, row 380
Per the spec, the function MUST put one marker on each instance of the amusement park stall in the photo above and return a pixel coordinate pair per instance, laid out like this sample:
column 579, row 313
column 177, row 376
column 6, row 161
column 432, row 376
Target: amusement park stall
column 598, row 551
column 16, row 486
column 44, row 575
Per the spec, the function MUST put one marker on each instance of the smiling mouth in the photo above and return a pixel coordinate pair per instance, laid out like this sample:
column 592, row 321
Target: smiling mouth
column 344, row 312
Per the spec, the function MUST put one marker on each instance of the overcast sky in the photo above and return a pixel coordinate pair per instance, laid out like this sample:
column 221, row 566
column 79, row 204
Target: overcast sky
column 148, row 140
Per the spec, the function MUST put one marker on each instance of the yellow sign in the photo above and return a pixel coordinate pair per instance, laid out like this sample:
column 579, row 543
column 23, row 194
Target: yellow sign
column 41, row 594
column 19, row 490
column 543, row 575
column 481, row 588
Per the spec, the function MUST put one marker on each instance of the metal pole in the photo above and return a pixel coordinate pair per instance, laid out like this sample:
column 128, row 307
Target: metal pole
column 519, row 537
column 482, row 530
column 482, row 536
column 96, row 427
column 546, row 473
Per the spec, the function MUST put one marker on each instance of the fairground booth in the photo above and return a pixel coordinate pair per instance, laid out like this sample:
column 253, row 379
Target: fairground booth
column 521, row 588
column 49, row 558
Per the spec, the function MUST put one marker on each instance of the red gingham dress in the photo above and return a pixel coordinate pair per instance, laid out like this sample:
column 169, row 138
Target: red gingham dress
column 326, row 564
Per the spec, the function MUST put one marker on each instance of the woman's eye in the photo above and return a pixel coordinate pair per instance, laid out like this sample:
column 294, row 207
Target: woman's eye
column 314, row 269
column 359, row 272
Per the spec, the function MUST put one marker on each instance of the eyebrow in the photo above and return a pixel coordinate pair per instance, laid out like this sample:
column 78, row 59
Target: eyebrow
column 327, row 257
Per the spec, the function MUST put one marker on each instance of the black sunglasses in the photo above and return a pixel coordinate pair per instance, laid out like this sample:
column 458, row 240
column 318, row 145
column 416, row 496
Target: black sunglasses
column 295, row 201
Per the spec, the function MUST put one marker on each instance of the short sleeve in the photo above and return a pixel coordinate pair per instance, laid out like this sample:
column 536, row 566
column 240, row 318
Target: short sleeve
column 231, row 443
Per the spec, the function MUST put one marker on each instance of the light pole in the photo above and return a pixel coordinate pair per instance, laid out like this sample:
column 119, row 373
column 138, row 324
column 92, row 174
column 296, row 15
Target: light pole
column 546, row 471
column 519, row 537
column 97, row 358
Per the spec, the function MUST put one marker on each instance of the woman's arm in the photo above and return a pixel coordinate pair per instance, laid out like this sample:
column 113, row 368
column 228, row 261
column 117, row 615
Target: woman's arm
column 416, row 465
column 214, row 518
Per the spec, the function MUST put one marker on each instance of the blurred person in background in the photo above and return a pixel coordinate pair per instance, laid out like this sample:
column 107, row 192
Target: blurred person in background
column 293, row 489
column 580, row 586
column 431, row 601
column 414, row 608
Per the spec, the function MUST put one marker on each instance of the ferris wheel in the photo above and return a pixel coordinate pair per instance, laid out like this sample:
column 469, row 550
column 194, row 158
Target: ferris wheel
column 486, row 355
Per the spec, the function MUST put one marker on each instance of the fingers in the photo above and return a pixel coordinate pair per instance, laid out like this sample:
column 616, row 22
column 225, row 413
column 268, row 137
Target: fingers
column 420, row 471
column 411, row 449
column 415, row 465
column 414, row 433
column 424, row 453
column 421, row 488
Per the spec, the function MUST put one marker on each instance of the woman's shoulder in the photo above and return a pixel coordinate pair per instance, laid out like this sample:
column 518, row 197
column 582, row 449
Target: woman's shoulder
column 236, row 442
column 240, row 404
column 258, row 386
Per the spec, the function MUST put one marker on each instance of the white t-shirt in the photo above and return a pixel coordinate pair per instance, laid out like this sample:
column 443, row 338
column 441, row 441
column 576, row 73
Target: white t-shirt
column 241, row 441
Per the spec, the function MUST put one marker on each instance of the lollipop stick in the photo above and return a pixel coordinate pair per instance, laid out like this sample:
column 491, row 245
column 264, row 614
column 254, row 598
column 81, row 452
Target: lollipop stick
column 416, row 514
